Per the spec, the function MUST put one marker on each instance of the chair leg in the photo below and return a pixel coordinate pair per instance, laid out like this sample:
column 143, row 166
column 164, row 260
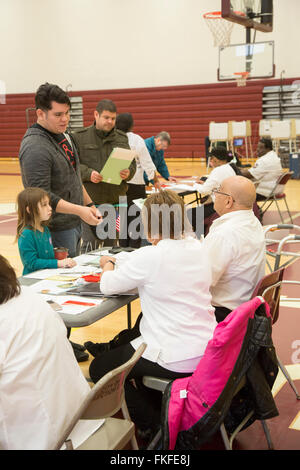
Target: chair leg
column 279, row 211
column 225, row 437
column 288, row 377
column 267, row 434
column 287, row 207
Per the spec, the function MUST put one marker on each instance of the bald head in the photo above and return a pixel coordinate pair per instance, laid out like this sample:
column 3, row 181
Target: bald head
column 242, row 190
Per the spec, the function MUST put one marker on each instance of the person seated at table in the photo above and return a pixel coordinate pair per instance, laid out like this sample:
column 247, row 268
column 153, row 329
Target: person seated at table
column 220, row 159
column 266, row 170
column 34, row 238
column 235, row 245
column 41, row 384
column 173, row 279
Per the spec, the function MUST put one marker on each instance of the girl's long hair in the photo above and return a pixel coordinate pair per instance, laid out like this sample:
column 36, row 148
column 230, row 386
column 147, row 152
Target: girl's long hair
column 28, row 212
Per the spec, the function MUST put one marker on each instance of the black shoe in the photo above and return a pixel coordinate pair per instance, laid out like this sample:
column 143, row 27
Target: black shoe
column 78, row 347
column 81, row 356
column 97, row 348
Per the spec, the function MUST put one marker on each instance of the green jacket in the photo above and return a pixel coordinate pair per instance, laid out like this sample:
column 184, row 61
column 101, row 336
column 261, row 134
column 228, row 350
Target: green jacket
column 94, row 147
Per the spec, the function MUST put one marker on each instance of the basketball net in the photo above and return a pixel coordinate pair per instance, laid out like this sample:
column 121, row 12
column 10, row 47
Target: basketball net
column 241, row 78
column 221, row 29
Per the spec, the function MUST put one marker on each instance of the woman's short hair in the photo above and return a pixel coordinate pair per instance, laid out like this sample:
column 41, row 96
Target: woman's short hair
column 124, row 122
column 9, row 284
column 221, row 153
column 164, row 216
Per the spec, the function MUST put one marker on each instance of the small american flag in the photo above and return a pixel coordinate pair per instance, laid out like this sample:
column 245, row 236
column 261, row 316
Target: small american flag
column 118, row 223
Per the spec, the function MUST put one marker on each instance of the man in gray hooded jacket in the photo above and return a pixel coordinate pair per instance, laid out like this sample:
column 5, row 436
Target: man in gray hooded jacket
column 49, row 160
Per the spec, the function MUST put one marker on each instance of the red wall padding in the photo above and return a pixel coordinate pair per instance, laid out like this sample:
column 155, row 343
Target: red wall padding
column 183, row 111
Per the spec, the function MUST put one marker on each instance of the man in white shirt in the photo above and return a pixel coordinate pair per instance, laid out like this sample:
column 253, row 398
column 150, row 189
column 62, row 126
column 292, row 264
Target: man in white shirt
column 136, row 186
column 266, row 170
column 235, row 245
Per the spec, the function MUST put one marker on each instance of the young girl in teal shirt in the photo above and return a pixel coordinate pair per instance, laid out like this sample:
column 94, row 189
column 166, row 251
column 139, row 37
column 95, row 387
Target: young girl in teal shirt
column 34, row 238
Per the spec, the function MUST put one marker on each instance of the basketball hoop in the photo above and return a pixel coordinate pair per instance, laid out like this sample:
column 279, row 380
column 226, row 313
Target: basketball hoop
column 220, row 28
column 241, row 78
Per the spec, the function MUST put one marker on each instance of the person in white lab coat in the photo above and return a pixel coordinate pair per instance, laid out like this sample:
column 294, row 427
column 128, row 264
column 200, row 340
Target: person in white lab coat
column 173, row 279
column 41, row 384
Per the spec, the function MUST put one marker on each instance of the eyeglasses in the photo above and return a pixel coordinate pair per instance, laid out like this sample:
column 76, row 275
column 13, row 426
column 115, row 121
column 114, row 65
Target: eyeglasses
column 216, row 191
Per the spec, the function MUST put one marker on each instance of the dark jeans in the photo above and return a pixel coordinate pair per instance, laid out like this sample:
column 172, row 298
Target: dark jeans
column 68, row 239
column 144, row 404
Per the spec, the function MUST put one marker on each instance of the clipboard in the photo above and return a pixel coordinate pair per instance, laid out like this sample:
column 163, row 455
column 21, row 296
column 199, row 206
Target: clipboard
column 119, row 159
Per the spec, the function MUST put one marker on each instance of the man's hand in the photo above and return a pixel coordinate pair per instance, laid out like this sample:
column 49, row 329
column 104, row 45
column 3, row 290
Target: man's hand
column 124, row 174
column 96, row 177
column 90, row 215
column 172, row 179
column 105, row 259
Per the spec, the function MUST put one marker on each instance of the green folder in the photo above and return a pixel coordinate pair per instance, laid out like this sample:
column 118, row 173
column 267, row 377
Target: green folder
column 119, row 159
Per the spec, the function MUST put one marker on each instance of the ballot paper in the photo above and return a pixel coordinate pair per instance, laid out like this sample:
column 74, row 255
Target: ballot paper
column 51, row 287
column 76, row 272
column 83, row 430
column 72, row 305
column 119, row 159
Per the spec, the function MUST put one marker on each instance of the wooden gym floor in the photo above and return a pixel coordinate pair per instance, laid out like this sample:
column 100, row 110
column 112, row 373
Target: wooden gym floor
column 285, row 429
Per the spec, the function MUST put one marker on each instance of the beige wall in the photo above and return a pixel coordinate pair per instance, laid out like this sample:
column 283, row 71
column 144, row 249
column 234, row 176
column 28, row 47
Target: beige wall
column 100, row 44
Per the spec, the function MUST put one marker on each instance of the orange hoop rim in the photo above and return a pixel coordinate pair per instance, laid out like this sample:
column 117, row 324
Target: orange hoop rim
column 242, row 74
column 217, row 15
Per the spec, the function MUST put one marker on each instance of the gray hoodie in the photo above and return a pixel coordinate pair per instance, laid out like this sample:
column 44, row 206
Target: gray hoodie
column 44, row 165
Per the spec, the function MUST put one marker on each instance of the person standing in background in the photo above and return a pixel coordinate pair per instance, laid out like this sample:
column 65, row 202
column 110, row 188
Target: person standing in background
column 136, row 186
column 95, row 144
column 156, row 147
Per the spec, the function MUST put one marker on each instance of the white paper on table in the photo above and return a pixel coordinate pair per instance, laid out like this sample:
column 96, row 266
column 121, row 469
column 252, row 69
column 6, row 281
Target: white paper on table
column 46, row 273
column 51, row 286
column 184, row 187
column 83, row 430
column 87, row 259
column 187, row 181
column 73, row 309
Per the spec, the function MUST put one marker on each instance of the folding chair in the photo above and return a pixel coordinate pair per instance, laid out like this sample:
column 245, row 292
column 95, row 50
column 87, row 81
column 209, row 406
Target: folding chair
column 269, row 287
column 278, row 252
column 160, row 384
column 273, row 197
column 103, row 401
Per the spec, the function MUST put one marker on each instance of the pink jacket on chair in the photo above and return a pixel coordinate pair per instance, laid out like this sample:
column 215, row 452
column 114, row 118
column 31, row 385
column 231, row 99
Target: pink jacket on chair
column 189, row 399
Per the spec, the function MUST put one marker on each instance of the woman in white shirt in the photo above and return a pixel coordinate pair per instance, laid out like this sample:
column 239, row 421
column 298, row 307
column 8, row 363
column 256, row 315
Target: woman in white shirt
column 220, row 160
column 173, row 277
column 41, row 384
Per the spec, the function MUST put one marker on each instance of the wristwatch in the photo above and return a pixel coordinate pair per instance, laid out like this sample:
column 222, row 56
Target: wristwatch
column 90, row 204
column 112, row 262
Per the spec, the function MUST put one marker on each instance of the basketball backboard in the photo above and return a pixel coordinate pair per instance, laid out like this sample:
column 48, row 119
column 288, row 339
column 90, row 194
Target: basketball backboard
column 257, row 59
column 257, row 14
